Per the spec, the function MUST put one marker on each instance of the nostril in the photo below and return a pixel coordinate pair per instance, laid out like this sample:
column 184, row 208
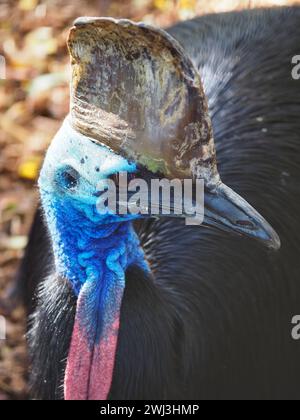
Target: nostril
column 245, row 224
column 68, row 178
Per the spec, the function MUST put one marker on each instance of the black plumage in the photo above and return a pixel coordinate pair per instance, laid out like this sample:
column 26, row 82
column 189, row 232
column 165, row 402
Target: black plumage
column 214, row 322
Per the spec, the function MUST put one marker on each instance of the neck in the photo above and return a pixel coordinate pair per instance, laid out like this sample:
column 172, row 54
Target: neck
column 94, row 258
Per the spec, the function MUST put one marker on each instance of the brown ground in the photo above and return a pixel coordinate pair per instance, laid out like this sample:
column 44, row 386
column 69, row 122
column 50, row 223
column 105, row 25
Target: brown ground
column 33, row 101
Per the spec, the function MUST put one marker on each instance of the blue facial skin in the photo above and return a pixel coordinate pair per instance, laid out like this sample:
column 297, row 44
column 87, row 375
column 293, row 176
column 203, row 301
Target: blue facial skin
column 90, row 249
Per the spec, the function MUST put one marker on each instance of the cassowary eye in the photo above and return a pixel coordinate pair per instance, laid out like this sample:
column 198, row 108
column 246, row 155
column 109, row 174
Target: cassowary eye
column 68, row 178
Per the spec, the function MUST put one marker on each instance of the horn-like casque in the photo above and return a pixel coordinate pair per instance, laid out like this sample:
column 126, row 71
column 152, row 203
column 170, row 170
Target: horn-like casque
column 136, row 91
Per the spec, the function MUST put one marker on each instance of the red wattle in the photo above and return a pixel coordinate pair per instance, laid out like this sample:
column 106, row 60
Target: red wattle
column 103, row 365
column 90, row 366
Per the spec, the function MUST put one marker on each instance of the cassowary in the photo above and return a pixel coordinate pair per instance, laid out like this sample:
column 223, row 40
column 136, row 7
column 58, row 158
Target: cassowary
column 148, row 308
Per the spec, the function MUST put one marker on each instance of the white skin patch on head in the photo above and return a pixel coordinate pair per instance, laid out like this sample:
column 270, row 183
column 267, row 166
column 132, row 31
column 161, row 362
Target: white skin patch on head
column 93, row 162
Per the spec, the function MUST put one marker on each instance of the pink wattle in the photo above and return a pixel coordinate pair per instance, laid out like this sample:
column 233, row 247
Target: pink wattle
column 90, row 369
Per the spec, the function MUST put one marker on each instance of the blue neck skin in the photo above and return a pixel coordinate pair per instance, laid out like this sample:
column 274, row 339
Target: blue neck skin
column 83, row 246
column 88, row 246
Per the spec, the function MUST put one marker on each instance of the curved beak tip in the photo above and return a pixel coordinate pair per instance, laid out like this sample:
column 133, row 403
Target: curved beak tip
column 265, row 234
column 226, row 210
column 273, row 241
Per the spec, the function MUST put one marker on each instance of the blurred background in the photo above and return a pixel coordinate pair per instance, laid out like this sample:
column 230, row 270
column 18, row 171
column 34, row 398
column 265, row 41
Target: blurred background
column 34, row 98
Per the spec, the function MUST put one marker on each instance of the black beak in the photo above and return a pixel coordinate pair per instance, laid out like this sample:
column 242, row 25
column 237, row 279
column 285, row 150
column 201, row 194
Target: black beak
column 227, row 211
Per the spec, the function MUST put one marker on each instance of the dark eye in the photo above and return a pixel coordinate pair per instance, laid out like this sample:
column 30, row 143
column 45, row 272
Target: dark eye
column 68, row 178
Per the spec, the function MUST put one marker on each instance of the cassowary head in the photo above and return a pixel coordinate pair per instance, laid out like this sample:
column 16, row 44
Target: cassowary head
column 135, row 91
column 137, row 105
